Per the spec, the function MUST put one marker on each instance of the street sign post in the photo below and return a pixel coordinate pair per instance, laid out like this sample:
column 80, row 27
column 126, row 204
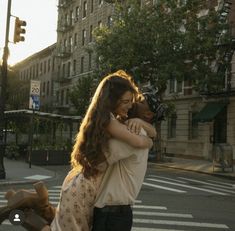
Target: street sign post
column 34, row 95
column 34, row 104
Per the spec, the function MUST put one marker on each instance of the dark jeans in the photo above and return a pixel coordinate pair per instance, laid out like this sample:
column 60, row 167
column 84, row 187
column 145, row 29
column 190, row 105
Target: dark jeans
column 113, row 218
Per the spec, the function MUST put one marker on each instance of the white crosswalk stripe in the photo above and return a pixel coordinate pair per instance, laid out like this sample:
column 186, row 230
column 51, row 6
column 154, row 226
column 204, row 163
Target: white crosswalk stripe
column 180, row 223
column 153, row 229
column 164, row 185
column 165, row 188
column 206, row 183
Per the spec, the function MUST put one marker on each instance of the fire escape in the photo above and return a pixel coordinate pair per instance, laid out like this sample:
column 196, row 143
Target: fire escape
column 227, row 47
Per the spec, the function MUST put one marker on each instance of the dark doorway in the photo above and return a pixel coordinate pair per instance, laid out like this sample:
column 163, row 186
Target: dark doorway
column 220, row 127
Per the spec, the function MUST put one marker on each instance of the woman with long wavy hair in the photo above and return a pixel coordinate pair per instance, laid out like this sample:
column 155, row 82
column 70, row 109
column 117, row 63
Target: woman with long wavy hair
column 112, row 99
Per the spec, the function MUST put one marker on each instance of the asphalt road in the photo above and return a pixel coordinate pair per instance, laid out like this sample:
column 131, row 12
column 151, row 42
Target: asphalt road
column 170, row 200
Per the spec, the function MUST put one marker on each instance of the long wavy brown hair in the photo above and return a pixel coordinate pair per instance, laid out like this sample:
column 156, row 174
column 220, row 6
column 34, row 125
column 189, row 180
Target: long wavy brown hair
column 92, row 138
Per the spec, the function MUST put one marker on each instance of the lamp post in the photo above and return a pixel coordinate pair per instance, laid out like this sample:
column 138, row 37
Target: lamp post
column 3, row 93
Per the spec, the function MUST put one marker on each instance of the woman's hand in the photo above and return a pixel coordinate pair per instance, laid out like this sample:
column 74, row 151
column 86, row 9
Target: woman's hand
column 134, row 125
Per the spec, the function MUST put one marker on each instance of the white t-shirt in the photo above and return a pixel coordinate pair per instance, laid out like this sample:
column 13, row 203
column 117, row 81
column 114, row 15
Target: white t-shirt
column 123, row 178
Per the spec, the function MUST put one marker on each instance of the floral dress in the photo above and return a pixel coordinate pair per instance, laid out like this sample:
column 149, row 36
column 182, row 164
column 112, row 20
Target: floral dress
column 75, row 209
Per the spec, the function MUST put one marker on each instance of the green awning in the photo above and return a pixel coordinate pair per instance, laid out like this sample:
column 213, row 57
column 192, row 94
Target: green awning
column 209, row 112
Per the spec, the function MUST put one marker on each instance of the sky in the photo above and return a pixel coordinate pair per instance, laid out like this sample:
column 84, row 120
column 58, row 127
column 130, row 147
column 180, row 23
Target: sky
column 41, row 19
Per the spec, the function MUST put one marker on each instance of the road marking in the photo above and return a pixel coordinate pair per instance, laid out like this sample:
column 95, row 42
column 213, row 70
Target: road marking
column 167, row 178
column 6, row 222
column 203, row 182
column 37, row 177
column 214, row 181
column 54, row 203
column 220, row 189
column 152, row 229
column 162, row 214
column 58, row 186
column 54, row 190
column 181, row 223
column 53, row 198
column 162, row 187
column 149, row 207
column 138, row 201
column 187, row 186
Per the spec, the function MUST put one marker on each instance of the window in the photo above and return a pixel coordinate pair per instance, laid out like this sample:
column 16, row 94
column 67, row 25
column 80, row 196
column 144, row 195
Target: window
column 74, row 66
column 45, row 67
column 193, row 126
column 44, row 87
column 172, row 126
column 59, row 71
column 100, row 2
column 37, row 70
column 33, row 71
column 76, row 13
column 75, row 39
column 69, row 68
column 84, row 9
column 82, row 64
column 92, row 6
column 175, row 86
column 90, row 35
column 172, row 85
column 83, row 36
column 67, row 20
column 67, row 97
column 48, row 65
column 53, row 63
column 71, row 18
column 62, row 98
column 99, row 23
column 89, row 61
column 40, row 72
column 188, row 89
column 70, row 43
column 48, row 88
column 63, row 70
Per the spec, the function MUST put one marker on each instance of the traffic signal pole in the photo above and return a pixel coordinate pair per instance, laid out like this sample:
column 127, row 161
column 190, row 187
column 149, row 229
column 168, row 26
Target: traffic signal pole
column 3, row 93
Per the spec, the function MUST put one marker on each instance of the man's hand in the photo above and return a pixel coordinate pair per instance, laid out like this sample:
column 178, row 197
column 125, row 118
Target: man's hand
column 134, row 125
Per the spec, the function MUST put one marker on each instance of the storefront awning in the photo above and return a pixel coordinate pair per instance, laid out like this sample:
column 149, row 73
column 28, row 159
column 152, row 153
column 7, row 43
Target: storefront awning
column 209, row 112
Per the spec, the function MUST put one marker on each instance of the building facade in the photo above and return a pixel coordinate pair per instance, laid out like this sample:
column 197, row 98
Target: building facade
column 39, row 66
column 76, row 22
column 202, row 121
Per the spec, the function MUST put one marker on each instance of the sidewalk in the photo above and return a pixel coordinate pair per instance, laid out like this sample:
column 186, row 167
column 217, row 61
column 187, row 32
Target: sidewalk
column 18, row 171
column 200, row 166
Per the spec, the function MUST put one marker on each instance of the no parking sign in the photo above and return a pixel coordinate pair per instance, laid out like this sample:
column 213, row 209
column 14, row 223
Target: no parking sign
column 34, row 95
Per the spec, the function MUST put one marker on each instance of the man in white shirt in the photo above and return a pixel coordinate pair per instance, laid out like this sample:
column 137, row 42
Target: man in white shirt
column 124, row 177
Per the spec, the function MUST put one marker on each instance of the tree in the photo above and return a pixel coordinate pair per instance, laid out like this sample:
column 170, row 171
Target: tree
column 81, row 94
column 17, row 92
column 170, row 40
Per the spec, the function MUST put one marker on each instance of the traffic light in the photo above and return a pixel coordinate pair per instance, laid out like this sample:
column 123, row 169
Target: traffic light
column 19, row 30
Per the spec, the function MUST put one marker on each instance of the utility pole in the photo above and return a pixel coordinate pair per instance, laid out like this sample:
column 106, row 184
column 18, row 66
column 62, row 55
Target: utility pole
column 3, row 93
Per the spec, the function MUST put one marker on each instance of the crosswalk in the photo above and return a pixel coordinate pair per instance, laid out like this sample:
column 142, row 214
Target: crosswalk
column 160, row 218
column 187, row 185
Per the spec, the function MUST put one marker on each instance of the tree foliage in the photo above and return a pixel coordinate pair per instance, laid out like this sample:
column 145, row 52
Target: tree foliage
column 170, row 40
column 81, row 94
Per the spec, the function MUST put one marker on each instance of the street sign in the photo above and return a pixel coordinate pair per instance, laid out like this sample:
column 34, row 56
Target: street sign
column 34, row 95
